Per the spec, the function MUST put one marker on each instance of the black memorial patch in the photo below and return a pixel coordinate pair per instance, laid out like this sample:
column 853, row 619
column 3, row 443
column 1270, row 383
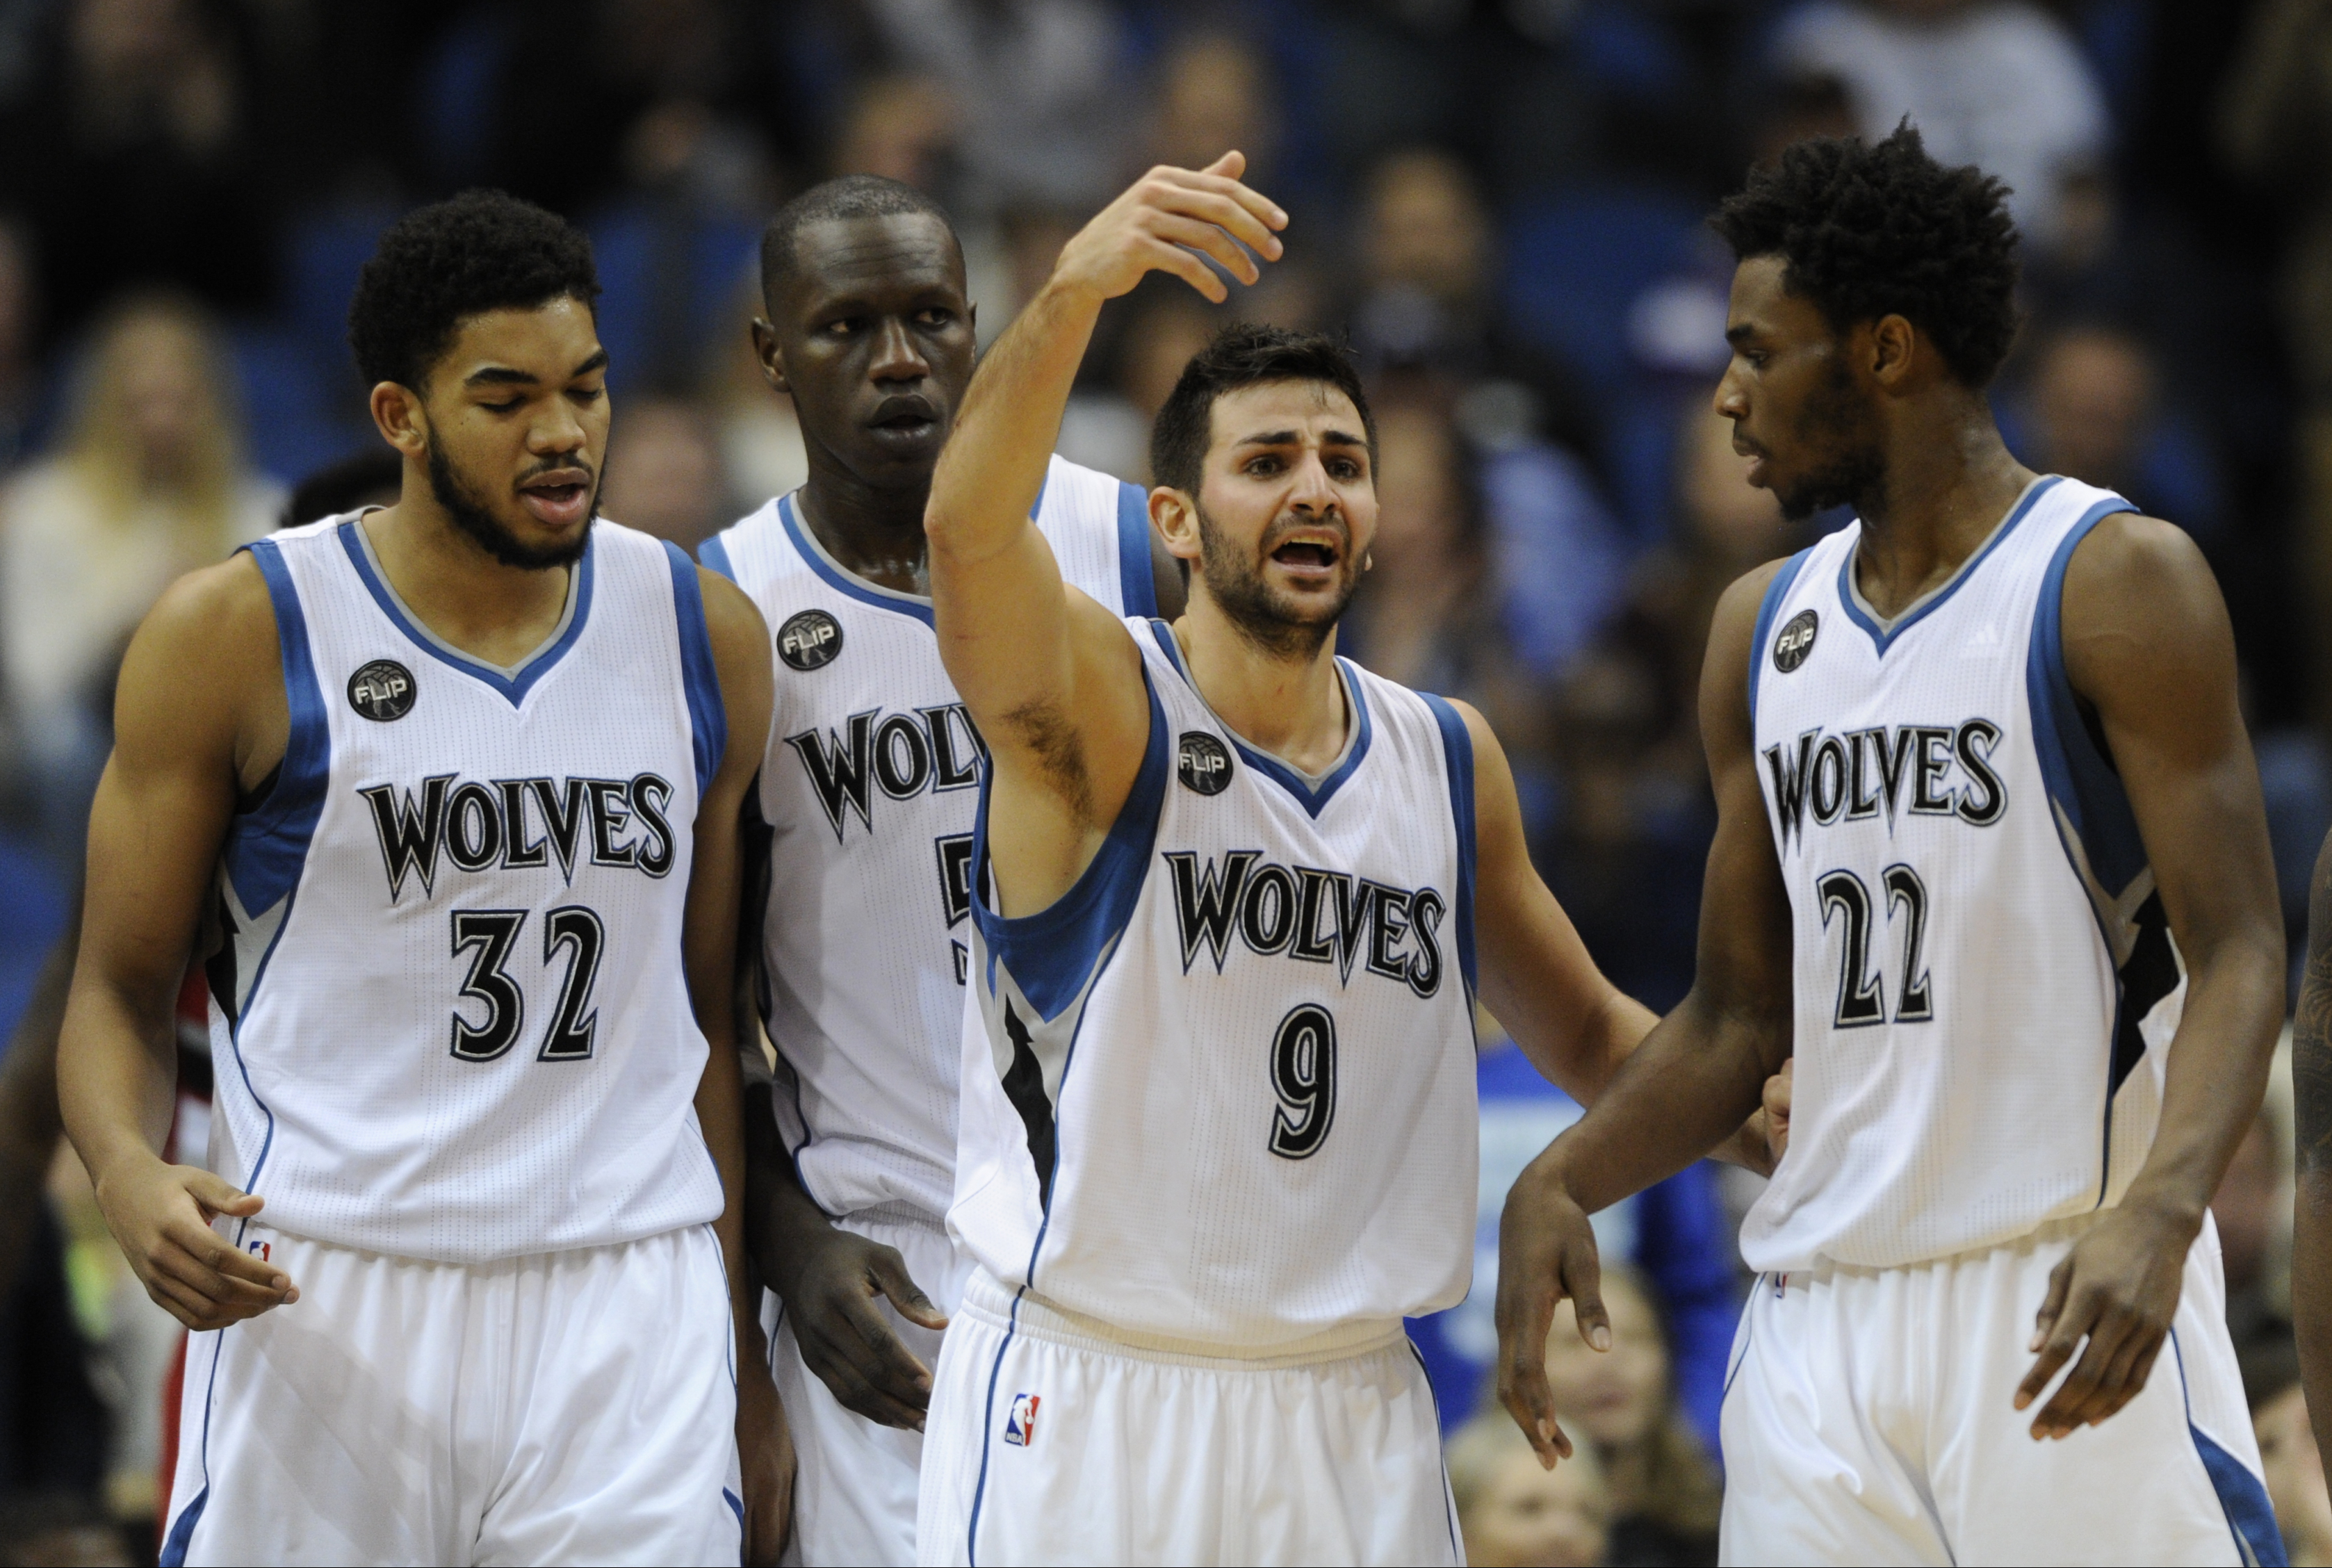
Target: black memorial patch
column 382, row 690
column 1796, row 641
column 810, row 640
column 1203, row 763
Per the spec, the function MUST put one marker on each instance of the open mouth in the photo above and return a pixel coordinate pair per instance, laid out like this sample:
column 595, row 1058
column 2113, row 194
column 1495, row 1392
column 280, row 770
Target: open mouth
column 1307, row 557
column 906, row 420
column 559, row 499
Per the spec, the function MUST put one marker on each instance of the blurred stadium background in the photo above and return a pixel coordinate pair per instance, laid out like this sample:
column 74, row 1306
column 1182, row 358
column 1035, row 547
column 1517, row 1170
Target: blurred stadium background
column 1499, row 200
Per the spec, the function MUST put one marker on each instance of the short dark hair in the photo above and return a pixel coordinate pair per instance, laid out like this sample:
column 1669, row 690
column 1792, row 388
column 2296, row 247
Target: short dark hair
column 441, row 264
column 1875, row 229
column 1242, row 355
column 852, row 195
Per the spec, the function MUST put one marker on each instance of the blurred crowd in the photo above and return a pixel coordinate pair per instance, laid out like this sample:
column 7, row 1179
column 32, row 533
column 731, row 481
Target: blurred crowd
column 1499, row 201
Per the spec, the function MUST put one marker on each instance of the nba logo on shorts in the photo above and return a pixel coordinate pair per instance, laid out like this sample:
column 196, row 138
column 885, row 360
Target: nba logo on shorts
column 1021, row 1426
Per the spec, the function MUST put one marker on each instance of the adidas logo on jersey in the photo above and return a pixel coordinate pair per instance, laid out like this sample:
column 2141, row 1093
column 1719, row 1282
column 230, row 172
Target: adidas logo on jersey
column 900, row 754
column 1308, row 914
column 511, row 824
column 1928, row 769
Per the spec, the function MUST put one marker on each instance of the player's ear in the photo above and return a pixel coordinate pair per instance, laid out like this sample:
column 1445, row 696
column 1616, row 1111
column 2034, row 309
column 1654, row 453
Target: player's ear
column 1175, row 515
column 1892, row 339
column 397, row 414
column 770, row 354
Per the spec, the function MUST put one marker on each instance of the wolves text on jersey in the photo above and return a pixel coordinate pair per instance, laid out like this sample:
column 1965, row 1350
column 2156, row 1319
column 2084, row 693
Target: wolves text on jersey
column 900, row 754
column 1928, row 769
column 1308, row 914
column 492, row 825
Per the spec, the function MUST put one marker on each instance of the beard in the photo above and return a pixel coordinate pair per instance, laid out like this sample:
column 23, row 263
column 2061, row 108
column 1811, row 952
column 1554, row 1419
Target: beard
column 472, row 516
column 1836, row 417
column 1264, row 617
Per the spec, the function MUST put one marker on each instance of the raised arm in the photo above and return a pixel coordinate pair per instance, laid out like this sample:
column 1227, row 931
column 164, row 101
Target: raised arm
column 199, row 714
column 2148, row 646
column 1695, row 1079
column 1052, row 678
column 709, row 949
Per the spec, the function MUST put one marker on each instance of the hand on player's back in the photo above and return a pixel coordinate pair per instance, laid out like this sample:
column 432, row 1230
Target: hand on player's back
column 1546, row 1253
column 1163, row 221
column 2119, row 1288
column 831, row 1281
column 161, row 1216
column 1777, row 1109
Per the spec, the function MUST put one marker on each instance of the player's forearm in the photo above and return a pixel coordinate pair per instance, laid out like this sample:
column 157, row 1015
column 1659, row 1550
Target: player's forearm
column 117, row 1077
column 2311, row 1289
column 994, row 464
column 2215, row 1074
column 1685, row 1090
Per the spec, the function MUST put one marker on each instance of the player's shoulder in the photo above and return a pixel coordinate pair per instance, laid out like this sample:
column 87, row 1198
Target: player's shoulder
column 755, row 550
column 214, row 618
column 1077, row 497
column 2129, row 550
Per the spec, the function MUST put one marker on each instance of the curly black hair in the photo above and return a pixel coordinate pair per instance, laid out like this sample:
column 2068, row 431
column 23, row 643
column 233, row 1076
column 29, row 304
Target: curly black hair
column 1242, row 355
column 1870, row 230
column 438, row 265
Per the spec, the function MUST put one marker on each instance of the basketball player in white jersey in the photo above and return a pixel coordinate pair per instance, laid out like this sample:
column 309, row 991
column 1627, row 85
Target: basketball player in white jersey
column 1991, row 853
column 1231, row 898
column 862, row 914
column 456, row 784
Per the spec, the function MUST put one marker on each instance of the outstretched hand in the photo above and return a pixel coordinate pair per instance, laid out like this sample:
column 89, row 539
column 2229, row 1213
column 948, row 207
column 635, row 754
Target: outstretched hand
column 161, row 1216
column 2117, row 1288
column 1165, row 221
column 1546, row 1254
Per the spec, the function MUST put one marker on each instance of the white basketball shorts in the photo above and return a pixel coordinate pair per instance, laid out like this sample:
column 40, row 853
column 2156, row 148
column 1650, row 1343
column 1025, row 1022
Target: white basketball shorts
column 1870, row 1418
column 855, row 1489
column 1051, row 1439
column 572, row 1407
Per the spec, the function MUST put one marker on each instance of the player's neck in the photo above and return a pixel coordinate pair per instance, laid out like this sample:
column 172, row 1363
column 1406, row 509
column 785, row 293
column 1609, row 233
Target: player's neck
column 1943, row 493
column 876, row 534
column 1293, row 708
column 497, row 613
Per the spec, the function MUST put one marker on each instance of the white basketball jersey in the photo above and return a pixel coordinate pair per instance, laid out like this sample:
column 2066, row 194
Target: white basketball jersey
column 868, row 797
column 1222, row 1091
column 449, row 1015
column 1985, row 983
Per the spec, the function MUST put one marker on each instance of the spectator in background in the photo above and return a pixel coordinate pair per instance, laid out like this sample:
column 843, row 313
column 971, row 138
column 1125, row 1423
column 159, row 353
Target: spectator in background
column 1038, row 87
column 1107, row 427
column 1997, row 83
column 2252, row 1210
column 20, row 375
column 134, row 158
column 1512, row 1512
column 2290, row 1461
column 1214, row 91
column 150, row 482
column 1665, row 1494
column 2092, row 411
column 663, row 472
column 1424, row 615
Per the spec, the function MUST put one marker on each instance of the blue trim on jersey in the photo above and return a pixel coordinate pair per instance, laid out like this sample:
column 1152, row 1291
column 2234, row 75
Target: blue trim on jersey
column 1448, row 1498
column 2080, row 780
column 842, row 582
column 1767, row 608
column 265, row 850
column 1137, row 585
column 1314, row 801
column 713, row 556
column 1458, row 750
column 708, row 716
column 182, row 1529
column 1882, row 638
column 2242, row 1495
column 736, row 1506
column 513, row 688
column 1051, row 954
column 988, row 1433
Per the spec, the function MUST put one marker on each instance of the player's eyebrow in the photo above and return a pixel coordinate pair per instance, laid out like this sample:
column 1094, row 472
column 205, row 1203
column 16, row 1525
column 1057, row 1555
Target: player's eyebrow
column 597, row 361
column 499, row 376
column 1738, row 335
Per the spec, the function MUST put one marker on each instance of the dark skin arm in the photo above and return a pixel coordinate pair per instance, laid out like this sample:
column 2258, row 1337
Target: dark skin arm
column 30, row 1122
column 2311, row 1217
column 1693, row 1082
column 2148, row 646
column 708, row 947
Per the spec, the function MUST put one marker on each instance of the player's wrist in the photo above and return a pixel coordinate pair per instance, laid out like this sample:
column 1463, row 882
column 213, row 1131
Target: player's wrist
column 2176, row 1214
